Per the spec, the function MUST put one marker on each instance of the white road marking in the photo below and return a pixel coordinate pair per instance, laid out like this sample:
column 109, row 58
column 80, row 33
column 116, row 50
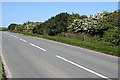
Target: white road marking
column 91, row 71
column 16, row 37
column 23, row 40
column 11, row 35
column 7, row 70
column 37, row 47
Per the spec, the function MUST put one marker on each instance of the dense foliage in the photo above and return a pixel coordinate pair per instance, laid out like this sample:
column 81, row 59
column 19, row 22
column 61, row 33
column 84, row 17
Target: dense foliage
column 12, row 26
column 57, row 24
column 102, row 26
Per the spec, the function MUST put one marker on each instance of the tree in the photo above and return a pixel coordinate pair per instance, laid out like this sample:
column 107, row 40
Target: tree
column 57, row 24
column 12, row 26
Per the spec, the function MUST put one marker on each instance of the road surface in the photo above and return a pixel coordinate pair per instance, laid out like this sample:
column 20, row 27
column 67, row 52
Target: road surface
column 32, row 57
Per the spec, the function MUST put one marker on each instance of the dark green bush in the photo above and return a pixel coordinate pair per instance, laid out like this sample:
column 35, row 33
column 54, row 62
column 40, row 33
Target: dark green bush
column 112, row 36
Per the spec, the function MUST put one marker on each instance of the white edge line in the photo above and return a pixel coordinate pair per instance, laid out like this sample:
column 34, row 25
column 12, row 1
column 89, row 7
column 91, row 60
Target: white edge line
column 37, row 47
column 7, row 70
column 23, row 40
column 91, row 71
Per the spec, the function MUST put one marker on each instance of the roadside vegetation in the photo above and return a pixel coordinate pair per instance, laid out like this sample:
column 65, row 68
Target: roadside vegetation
column 98, row 32
column 2, row 74
column 3, row 29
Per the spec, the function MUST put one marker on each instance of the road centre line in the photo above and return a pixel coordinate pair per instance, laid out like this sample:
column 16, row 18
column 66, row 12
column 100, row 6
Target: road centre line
column 30, row 43
column 80, row 66
column 11, row 35
column 15, row 37
column 23, row 40
column 37, row 46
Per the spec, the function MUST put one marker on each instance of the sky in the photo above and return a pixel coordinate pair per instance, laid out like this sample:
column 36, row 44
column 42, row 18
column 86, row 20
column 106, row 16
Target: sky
column 20, row 12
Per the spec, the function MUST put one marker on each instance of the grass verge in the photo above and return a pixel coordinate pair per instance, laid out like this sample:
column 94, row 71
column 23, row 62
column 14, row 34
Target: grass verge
column 90, row 44
column 2, row 73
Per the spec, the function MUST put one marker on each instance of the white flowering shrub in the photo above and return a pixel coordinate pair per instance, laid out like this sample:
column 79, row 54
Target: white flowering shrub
column 87, row 25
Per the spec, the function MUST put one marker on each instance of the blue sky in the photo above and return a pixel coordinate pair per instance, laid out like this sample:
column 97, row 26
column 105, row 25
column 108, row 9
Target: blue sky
column 19, row 12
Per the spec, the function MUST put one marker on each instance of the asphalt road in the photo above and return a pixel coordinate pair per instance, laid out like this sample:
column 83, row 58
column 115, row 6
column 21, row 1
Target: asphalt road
column 32, row 57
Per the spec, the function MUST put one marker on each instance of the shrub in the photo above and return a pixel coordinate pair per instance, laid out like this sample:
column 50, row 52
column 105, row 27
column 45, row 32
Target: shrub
column 112, row 36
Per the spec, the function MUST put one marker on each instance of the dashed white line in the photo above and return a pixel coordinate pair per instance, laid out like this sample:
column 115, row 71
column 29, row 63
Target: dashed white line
column 89, row 70
column 37, row 47
column 16, row 37
column 23, row 40
column 11, row 35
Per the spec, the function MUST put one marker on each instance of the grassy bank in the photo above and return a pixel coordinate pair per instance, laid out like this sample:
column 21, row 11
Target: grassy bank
column 2, row 73
column 90, row 44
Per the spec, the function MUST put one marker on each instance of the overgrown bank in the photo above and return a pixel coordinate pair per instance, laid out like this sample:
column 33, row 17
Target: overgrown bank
column 99, row 32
